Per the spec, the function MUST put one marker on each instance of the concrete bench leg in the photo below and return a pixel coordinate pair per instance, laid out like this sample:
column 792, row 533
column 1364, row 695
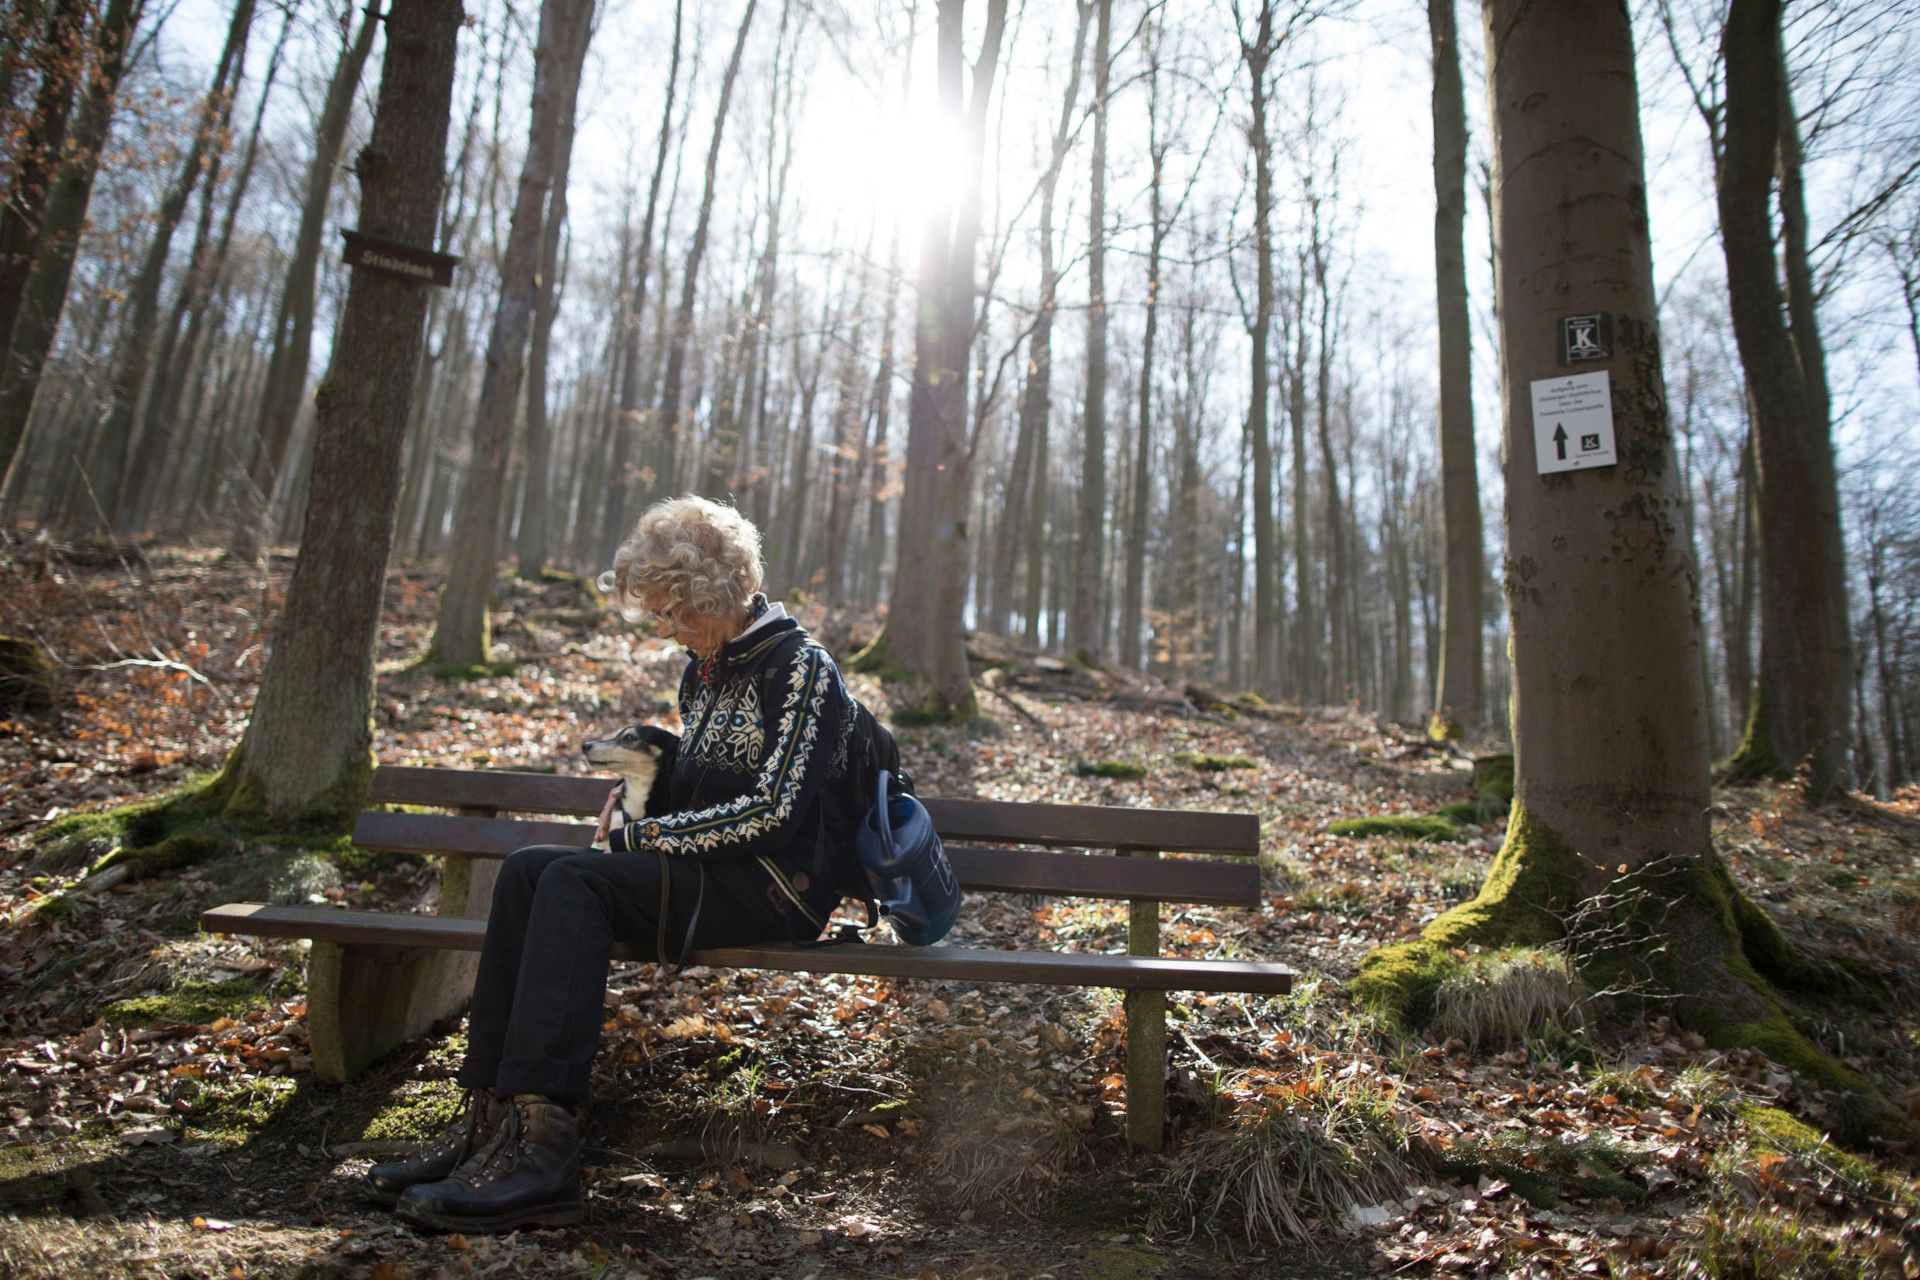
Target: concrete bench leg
column 364, row 1002
column 1146, row 1038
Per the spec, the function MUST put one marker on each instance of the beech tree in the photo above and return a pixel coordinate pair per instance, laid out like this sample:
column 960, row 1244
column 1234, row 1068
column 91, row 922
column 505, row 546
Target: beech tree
column 307, row 752
column 1456, row 695
column 286, row 383
column 57, row 240
column 1802, row 701
column 924, row 632
column 461, row 635
column 1608, row 849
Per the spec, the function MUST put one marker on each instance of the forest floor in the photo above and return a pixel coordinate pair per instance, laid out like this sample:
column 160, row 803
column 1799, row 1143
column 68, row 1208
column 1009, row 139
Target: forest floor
column 158, row 1113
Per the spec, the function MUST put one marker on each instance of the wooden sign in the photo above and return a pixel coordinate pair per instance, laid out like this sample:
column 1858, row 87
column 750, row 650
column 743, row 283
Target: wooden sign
column 422, row 266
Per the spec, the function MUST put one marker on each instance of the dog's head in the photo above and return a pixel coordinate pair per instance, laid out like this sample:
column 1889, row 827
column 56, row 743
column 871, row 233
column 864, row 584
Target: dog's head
column 635, row 753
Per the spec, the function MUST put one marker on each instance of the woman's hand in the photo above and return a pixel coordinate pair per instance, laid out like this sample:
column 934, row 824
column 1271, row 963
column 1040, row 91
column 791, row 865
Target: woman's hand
column 602, row 831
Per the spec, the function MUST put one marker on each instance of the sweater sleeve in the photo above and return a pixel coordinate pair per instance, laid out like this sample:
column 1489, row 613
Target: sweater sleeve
column 793, row 767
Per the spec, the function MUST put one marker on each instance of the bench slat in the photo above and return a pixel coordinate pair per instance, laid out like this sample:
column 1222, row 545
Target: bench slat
column 996, row 821
column 1010, row 870
column 1054, row 968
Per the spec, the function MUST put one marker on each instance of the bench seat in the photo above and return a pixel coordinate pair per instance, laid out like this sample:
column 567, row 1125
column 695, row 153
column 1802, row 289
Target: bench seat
column 979, row 964
column 376, row 979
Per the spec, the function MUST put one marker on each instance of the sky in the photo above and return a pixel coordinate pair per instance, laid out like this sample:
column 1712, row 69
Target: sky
column 861, row 149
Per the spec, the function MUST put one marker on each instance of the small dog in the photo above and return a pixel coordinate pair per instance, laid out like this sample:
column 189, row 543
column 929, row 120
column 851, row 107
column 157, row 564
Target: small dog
column 643, row 755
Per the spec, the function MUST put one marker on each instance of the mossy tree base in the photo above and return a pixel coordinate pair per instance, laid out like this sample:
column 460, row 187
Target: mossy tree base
column 29, row 682
column 876, row 659
column 1754, row 760
column 204, row 819
column 1681, row 930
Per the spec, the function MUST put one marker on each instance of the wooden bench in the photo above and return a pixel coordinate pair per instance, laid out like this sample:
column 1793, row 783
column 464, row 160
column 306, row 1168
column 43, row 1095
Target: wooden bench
column 378, row 979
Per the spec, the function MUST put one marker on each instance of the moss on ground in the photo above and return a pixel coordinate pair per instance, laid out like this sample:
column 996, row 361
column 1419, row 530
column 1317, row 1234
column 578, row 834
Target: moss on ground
column 1204, row 762
column 1125, row 770
column 1769, row 1129
column 1405, row 826
column 1546, row 1170
column 235, row 1110
column 1532, row 880
column 188, row 1003
column 417, row 1109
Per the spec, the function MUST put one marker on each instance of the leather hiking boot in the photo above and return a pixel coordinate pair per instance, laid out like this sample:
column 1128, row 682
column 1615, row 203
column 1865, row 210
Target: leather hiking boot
column 528, row 1176
column 441, row 1155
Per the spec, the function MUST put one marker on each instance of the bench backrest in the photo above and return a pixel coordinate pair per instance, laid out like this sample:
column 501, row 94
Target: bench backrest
column 974, row 832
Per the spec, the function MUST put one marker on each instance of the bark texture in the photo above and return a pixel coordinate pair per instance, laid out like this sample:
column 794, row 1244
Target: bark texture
column 1799, row 713
column 924, row 632
column 460, row 634
column 308, row 748
column 1456, row 698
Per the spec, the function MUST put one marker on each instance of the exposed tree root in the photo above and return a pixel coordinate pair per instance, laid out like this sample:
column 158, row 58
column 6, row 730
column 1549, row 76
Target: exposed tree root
column 1678, row 931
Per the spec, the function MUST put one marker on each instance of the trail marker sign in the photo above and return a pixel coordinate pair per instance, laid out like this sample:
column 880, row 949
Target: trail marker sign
column 409, row 262
column 1587, row 337
column 1573, row 423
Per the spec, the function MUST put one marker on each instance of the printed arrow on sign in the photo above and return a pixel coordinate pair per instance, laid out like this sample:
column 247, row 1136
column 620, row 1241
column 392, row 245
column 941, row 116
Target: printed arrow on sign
column 1560, row 440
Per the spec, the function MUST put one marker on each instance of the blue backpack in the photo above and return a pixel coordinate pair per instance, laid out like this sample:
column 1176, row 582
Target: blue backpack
column 907, row 869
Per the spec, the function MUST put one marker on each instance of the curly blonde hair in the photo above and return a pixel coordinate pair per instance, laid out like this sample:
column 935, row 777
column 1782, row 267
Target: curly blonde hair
column 689, row 553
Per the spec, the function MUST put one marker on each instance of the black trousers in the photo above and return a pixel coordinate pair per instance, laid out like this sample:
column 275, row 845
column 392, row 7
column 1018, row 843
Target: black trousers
column 538, row 1000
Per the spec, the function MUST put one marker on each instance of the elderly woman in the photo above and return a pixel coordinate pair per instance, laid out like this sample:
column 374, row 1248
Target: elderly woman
column 744, row 856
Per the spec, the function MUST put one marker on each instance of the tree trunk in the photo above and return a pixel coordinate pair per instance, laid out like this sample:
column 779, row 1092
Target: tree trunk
column 1258, row 56
column 1456, row 708
column 1307, row 627
column 1801, row 704
column 1133, row 589
column 667, row 466
column 1610, row 823
column 1089, row 562
column 59, row 54
column 307, row 752
column 58, row 239
column 461, row 636
column 536, row 499
column 1024, row 477
column 293, row 320
column 113, row 454
column 924, row 631
column 177, row 352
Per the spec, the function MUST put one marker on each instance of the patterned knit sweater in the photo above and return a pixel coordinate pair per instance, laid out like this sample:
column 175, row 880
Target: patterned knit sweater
column 763, row 749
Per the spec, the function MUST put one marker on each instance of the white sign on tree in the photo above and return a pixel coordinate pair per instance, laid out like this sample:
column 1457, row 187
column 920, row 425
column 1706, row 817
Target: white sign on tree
column 1573, row 423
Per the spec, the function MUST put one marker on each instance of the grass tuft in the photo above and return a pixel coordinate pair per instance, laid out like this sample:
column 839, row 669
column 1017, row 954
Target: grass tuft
column 1286, row 1163
column 1503, row 997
